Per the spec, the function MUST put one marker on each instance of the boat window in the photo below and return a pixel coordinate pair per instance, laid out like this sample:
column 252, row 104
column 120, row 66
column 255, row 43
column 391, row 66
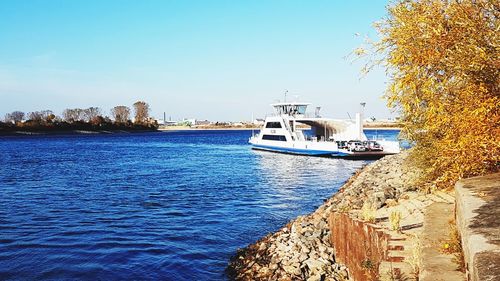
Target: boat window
column 273, row 125
column 301, row 109
column 274, row 137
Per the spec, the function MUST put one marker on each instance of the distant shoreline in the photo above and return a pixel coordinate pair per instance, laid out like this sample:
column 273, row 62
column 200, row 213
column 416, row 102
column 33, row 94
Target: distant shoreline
column 164, row 129
column 187, row 128
column 70, row 132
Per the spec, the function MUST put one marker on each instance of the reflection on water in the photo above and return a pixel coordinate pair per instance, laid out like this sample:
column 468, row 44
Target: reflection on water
column 288, row 175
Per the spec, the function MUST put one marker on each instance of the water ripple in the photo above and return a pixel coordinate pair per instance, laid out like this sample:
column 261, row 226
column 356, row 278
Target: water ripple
column 169, row 206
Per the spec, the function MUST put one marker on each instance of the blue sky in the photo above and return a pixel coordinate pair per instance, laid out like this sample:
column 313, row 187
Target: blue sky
column 217, row 60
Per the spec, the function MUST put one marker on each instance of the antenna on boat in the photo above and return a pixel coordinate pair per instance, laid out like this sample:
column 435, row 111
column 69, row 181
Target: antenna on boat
column 286, row 91
column 362, row 108
column 349, row 115
column 359, row 119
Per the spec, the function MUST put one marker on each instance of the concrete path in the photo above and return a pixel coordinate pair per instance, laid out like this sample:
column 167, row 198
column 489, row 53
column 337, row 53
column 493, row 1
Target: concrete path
column 478, row 221
column 435, row 265
column 424, row 225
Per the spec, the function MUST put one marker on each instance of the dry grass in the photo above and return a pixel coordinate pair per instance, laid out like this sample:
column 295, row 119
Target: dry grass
column 453, row 245
column 395, row 220
column 344, row 209
column 416, row 256
column 368, row 212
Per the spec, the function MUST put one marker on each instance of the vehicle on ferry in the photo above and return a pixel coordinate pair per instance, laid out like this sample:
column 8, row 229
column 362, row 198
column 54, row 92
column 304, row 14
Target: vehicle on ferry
column 356, row 146
column 372, row 145
column 291, row 130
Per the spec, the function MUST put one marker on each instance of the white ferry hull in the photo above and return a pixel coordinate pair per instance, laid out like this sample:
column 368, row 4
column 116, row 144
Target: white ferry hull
column 316, row 149
column 298, row 151
column 296, row 147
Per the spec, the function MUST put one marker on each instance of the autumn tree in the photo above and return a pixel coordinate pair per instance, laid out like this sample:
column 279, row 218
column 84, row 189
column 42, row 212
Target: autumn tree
column 141, row 110
column 67, row 115
column 42, row 116
column 81, row 115
column 121, row 113
column 15, row 117
column 99, row 120
column 443, row 59
column 73, row 115
column 91, row 113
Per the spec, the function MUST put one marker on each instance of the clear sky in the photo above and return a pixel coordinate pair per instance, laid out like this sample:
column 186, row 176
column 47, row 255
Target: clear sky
column 216, row 60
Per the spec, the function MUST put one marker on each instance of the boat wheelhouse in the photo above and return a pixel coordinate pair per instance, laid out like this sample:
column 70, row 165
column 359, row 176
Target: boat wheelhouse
column 291, row 130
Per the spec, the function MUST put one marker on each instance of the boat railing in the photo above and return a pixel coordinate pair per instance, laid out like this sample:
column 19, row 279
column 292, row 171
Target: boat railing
column 316, row 139
column 306, row 115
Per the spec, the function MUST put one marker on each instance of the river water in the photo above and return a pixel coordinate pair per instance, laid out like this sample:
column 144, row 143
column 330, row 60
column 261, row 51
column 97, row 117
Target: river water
column 152, row 206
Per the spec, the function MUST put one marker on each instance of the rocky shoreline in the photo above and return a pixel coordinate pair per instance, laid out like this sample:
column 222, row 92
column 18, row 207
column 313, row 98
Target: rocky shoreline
column 302, row 250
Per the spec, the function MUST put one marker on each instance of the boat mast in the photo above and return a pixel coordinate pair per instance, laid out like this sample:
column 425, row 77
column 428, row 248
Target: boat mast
column 359, row 119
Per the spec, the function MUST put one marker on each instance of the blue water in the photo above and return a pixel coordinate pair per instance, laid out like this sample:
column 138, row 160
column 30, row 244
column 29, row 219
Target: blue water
column 169, row 206
column 390, row 135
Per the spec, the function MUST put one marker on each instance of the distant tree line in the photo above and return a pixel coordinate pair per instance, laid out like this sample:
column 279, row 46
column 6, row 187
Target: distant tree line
column 91, row 118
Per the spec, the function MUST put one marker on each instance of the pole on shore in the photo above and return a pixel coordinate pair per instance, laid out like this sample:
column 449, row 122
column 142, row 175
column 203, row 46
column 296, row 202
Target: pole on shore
column 252, row 124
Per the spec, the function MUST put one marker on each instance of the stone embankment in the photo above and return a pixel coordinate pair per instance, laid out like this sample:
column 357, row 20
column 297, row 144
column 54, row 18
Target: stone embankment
column 379, row 227
column 302, row 250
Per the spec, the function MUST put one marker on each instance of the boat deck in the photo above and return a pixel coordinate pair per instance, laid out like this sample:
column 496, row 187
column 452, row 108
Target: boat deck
column 342, row 153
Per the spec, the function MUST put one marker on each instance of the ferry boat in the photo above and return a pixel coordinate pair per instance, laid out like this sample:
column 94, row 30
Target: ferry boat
column 291, row 130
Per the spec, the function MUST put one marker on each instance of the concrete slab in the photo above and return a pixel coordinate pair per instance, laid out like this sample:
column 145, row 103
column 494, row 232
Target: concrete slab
column 478, row 212
column 435, row 265
column 448, row 197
